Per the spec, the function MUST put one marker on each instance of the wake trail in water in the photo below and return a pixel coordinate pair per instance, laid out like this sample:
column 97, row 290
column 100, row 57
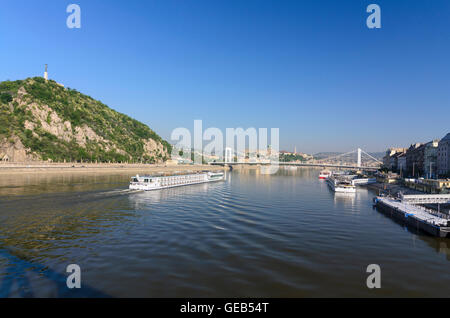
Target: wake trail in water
column 117, row 192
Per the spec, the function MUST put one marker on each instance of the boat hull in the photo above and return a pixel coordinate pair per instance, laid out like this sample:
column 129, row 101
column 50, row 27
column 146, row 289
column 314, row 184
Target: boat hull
column 340, row 188
column 344, row 190
column 149, row 183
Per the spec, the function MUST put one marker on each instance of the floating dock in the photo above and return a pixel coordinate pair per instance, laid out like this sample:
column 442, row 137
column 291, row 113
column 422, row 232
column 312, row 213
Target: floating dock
column 365, row 181
column 414, row 216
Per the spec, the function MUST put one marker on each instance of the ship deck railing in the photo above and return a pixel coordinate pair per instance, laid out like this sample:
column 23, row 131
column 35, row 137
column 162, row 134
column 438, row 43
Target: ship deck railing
column 171, row 174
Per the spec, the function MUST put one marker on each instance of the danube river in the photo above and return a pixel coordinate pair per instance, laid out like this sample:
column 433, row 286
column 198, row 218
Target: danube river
column 283, row 235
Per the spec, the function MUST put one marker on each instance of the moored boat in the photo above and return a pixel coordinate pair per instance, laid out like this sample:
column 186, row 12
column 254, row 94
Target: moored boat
column 340, row 185
column 324, row 174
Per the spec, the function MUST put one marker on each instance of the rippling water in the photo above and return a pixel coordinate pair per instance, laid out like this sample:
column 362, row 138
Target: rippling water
column 285, row 235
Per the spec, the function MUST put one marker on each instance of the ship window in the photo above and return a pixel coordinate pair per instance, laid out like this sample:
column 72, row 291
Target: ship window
column 135, row 180
column 145, row 180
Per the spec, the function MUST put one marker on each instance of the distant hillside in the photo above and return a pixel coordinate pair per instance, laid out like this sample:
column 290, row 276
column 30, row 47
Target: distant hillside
column 42, row 120
column 323, row 155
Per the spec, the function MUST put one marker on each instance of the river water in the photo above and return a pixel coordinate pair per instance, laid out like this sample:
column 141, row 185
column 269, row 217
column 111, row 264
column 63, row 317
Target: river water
column 253, row 235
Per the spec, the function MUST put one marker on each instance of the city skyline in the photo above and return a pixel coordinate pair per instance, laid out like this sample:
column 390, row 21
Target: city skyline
column 313, row 70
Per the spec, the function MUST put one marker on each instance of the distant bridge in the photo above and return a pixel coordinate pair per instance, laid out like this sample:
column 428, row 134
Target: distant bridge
column 299, row 164
column 349, row 160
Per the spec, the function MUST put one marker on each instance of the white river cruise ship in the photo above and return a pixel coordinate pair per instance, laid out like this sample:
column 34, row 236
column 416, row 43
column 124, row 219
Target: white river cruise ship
column 340, row 184
column 155, row 182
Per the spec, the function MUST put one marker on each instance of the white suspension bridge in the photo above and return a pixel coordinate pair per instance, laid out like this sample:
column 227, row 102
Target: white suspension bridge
column 355, row 159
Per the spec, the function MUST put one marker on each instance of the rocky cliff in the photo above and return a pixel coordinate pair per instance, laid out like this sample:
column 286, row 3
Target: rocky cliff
column 41, row 120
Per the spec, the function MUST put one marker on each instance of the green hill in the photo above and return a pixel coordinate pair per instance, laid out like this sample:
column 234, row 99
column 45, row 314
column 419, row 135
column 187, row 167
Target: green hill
column 42, row 120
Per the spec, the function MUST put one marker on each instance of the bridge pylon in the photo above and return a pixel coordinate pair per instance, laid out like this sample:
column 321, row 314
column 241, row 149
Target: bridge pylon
column 359, row 158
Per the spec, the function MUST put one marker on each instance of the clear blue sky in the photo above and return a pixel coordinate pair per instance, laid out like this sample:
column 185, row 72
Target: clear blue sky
column 311, row 68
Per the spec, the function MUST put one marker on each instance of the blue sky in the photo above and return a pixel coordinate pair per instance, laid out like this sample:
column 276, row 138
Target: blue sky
column 311, row 68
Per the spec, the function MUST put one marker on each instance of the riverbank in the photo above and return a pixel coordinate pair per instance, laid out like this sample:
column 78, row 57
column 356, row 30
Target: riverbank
column 107, row 168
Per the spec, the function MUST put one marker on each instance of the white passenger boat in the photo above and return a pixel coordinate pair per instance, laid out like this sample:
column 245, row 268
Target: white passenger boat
column 155, row 182
column 340, row 185
column 324, row 174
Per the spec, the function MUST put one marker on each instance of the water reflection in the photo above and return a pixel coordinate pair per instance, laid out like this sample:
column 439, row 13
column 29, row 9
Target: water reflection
column 347, row 198
column 254, row 235
column 21, row 277
column 144, row 199
column 440, row 245
column 36, row 183
column 40, row 227
column 32, row 225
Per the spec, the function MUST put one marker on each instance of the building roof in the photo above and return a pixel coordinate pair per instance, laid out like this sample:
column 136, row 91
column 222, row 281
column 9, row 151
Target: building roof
column 415, row 146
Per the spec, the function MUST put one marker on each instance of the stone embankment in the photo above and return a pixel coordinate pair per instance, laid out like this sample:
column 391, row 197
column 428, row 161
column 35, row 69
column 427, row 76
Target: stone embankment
column 107, row 168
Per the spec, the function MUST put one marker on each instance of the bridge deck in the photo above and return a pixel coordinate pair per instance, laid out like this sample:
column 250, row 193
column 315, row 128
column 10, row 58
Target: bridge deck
column 322, row 165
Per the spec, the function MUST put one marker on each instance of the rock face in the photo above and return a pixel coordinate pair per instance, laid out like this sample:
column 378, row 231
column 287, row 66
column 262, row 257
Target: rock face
column 12, row 150
column 44, row 121
column 151, row 146
column 48, row 120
